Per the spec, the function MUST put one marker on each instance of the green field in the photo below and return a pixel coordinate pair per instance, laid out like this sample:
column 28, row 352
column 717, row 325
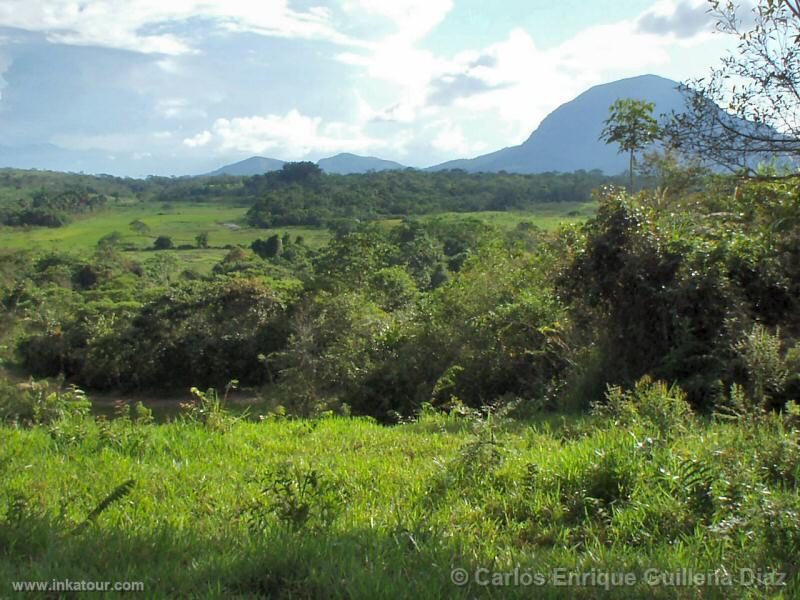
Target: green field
column 225, row 225
column 346, row 508
column 547, row 216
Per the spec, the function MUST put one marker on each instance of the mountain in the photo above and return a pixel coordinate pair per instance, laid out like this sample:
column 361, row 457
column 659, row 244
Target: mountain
column 344, row 164
column 567, row 139
column 255, row 165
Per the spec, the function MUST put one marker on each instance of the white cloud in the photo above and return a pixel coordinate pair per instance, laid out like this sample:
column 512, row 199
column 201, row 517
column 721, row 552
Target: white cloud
column 289, row 136
column 679, row 19
column 516, row 82
column 201, row 139
column 120, row 23
column 450, row 139
column 421, row 101
column 411, row 19
column 178, row 108
column 512, row 82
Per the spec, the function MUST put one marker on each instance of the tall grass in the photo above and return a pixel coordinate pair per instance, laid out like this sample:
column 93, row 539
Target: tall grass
column 344, row 507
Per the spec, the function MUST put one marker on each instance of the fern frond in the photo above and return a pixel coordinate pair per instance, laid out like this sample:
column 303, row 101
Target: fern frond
column 117, row 494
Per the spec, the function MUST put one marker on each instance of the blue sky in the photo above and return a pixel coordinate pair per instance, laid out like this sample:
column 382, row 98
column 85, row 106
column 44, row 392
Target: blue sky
column 135, row 87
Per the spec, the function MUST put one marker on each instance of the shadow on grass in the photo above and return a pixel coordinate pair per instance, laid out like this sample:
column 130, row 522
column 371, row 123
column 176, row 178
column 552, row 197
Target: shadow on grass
column 180, row 562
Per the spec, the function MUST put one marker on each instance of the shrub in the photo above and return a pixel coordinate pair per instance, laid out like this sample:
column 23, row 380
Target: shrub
column 298, row 497
column 163, row 242
column 37, row 402
column 653, row 405
column 760, row 353
column 208, row 408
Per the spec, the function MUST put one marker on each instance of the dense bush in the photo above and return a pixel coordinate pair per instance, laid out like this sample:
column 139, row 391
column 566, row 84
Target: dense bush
column 50, row 208
column 699, row 291
column 193, row 333
column 670, row 291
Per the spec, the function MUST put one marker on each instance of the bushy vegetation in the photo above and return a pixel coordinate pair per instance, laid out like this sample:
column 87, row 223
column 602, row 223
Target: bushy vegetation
column 311, row 198
column 618, row 395
column 438, row 405
column 700, row 290
column 49, row 209
column 299, row 194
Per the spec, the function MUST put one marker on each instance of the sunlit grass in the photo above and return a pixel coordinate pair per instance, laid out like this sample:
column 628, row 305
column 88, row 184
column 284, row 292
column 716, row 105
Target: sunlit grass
column 407, row 505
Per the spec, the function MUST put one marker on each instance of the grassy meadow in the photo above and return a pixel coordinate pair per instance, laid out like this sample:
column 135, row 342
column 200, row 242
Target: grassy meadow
column 225, row 225
column 346, row 508
column 547, row 216
column 182, row 222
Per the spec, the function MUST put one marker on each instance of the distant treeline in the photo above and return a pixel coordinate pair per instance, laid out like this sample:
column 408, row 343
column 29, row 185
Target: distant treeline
column 50, row 209
column 298, row 194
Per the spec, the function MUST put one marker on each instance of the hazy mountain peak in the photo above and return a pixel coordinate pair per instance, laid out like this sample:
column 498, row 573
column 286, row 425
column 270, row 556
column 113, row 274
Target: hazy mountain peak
column 255, row 165
column 346, row 162
column 568, row 138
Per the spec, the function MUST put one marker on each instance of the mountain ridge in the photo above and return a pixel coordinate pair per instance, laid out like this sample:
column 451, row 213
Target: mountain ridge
column 255, row 165
column 345, row 163
column 567, row 139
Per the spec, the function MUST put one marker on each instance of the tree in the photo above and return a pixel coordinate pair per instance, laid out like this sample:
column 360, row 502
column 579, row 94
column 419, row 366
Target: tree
column 139, row 227
column 163, row 242
column 676, row 176
column 268, row 248
column 109, row 241
column 299, row 172
column 630, row 125
column 748, row 109
column 202, row 239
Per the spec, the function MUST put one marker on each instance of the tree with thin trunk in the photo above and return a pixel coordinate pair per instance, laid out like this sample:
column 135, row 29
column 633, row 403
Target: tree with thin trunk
column 632, row 127
column 747, row 110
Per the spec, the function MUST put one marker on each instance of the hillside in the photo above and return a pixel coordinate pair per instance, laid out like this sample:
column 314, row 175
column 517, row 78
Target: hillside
column 567, row 139
column 346, row 163
column 255, row 165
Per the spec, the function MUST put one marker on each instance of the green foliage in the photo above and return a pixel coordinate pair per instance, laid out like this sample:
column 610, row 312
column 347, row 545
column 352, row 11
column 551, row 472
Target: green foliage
column 631, row 126
column 297, row 507
column 392, row 288
column 117, row 494
column 269, row 248
column 300, row 499
column 201, row 239
column 331, row 199
column 763, row 360
column 669, row 291
column 139, row 227
column 330, row 350
column 50, row 208
column 163, row 242
column 208, row 409
column 39, row 403
column 653, row 405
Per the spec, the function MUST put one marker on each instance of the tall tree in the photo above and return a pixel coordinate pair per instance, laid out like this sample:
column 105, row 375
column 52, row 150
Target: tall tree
column 632, row 127
column 748, row 109
column 202, row 239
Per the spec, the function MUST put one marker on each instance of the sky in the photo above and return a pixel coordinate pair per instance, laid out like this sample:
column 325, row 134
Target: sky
column 175, row 87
